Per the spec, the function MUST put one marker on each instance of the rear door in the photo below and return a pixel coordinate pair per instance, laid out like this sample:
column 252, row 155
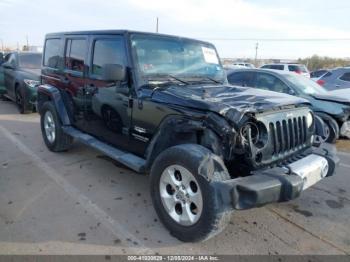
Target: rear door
column 72, row 79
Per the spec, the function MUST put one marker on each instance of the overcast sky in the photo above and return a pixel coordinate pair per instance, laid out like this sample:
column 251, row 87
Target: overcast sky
column 218, row 21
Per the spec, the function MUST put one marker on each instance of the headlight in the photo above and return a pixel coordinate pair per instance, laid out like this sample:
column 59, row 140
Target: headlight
column 31, row 83
column 309, row 119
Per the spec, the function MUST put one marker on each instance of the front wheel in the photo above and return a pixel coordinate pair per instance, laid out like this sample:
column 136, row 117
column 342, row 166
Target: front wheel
column 20, row 101
column 185, row 200
column 51, row 128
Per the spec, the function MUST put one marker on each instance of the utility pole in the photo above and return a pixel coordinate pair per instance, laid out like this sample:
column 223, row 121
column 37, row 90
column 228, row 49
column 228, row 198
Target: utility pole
column 157, row 25
column 256, row 54
column 27, row 43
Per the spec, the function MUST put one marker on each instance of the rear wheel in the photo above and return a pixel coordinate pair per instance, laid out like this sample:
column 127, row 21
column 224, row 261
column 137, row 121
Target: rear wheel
column 51, row 128
column 184, row 200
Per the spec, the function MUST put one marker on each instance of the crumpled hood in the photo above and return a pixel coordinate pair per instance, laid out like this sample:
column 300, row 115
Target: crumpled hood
column 339, row 96
column 230, row 101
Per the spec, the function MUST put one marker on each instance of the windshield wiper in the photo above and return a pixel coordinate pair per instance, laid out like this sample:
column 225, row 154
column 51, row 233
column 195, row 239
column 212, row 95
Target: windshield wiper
column 168, row 77
column 213, row 80
column 201, row 77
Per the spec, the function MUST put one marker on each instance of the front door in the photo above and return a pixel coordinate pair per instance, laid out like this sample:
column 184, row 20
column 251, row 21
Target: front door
column 109, row 108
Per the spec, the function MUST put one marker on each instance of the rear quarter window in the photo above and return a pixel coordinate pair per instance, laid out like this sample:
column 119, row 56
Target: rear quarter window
column 52, row 50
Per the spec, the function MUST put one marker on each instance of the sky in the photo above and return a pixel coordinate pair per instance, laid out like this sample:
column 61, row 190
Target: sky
column 234, row 26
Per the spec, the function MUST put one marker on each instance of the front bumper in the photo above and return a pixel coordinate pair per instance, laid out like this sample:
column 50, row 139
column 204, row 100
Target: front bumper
column 278, row 184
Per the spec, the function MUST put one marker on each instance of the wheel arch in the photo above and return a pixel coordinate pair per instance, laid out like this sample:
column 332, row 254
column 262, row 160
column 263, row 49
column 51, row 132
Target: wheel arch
column 178, row 130
column 51, row 93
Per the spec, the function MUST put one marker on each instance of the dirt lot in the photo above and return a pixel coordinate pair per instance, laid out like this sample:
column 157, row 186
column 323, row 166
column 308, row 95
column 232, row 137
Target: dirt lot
column 81, row 202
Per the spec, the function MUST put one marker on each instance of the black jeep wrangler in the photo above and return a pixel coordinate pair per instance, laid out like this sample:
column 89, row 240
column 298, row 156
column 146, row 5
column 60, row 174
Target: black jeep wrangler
column 161, row 104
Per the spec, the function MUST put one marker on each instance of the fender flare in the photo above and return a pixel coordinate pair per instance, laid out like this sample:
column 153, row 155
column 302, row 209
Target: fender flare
column 332, row 122
column 51, row 93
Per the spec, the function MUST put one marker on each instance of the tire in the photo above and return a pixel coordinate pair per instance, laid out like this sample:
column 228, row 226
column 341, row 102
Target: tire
column 57, row 141
column 209, row 218
column 20, row 101
column 333, row 136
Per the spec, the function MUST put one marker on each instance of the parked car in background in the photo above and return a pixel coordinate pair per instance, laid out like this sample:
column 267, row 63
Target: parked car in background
column 21, row 78
column 317, row 74
column 2, row 58
column 296, row 68
column 332, row 106
column 243, row 64
column 338, row 78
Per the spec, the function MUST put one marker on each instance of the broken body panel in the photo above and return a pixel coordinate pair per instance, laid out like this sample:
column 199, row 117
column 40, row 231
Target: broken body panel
column 251, row 133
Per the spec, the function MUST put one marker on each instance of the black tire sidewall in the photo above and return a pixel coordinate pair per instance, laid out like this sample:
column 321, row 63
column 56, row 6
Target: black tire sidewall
column 21, row 106
column 48, row 106
column 332, row 138
column 203, row 227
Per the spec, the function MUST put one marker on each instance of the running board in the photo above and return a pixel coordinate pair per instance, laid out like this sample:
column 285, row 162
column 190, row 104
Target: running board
column 130, row 160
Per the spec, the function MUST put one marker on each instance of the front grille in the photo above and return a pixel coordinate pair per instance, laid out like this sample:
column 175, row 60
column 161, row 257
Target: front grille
column 288, row 135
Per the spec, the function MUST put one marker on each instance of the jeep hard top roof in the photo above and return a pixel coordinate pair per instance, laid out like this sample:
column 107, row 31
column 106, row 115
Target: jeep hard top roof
column 114, row 32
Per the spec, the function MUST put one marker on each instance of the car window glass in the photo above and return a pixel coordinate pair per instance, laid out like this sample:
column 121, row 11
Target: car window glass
column 107, row 51
column 297, row 68
column 272, row 83
column 52, row 53
column 318, row 73
column 277, row 67
column 12, row 59
column 328, row 74
column 240, row 79
column 75, row 54
column 32, row 61
column 345, row 77
column 265, row 66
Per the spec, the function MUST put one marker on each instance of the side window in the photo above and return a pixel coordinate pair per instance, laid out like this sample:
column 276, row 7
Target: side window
column 52, row 53
column 107, row 51
column 345, row 77
column 266, row 66
column 240, row 79
column 272, row 83
column 12, row 60
column 75, row 54
column 277, row 67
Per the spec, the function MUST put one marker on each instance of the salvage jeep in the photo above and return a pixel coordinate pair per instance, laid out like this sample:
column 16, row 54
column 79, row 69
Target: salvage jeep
column 161, row 105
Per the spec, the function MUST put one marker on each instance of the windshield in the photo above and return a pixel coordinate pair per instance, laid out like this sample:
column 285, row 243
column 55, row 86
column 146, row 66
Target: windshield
column 32, row 61
column 305, row 85
column 158, row 56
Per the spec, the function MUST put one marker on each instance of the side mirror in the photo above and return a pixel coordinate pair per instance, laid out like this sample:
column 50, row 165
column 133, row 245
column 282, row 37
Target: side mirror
column 8, row 65
column 113, row 72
